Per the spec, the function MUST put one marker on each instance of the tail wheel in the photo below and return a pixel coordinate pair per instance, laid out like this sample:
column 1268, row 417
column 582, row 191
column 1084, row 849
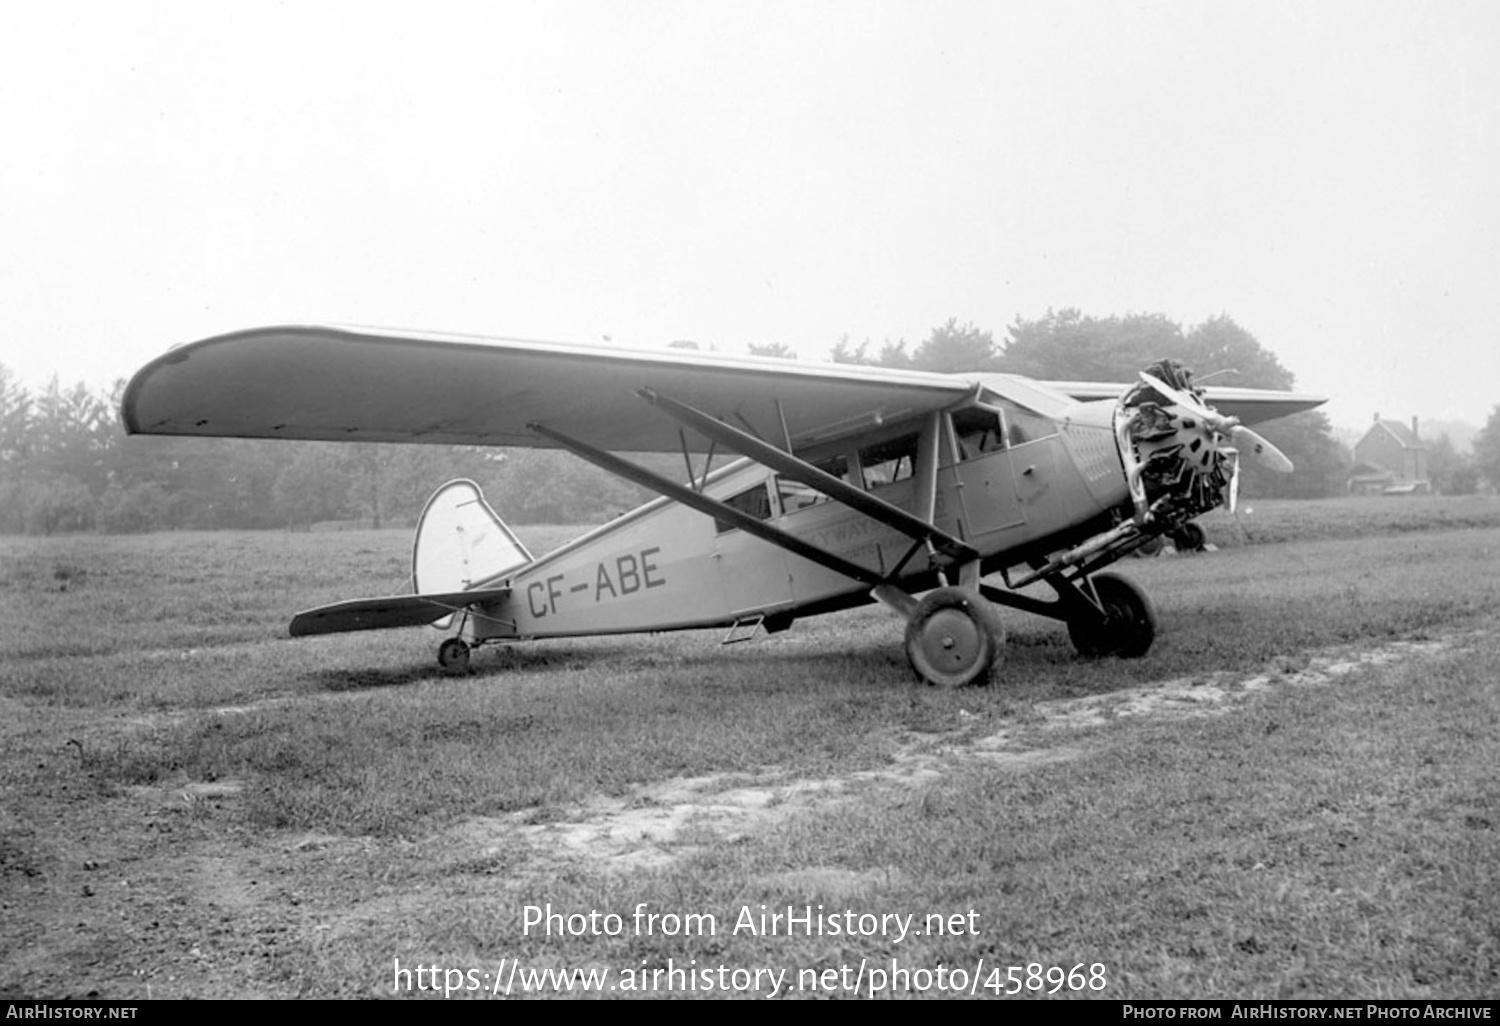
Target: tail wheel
column 453, row 656
column 1129, row 624
column 953, row 638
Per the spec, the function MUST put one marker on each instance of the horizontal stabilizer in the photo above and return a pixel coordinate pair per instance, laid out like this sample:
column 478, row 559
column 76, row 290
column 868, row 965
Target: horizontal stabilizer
column 395, row 611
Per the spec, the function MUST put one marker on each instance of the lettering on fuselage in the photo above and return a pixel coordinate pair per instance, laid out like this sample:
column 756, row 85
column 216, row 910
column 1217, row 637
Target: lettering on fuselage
column 839, row 536
column 856, row 536
column 609, row 579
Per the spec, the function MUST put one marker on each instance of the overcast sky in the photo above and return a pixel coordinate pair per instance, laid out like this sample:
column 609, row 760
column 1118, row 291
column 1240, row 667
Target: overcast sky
column 1326, row 173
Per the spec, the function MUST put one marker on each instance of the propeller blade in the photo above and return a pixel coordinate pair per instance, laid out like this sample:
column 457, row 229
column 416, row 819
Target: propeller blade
column 1232, row 499
column 1260, row 450
column 1187, row 400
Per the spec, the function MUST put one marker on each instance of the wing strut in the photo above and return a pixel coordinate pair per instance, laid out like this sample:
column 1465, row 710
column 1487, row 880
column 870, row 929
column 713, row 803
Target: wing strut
column 953, row 549
column 703, row 504
column 708, row 462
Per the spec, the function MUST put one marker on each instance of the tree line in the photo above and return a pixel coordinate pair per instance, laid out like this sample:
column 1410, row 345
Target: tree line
column 66, row 464
column 1067, row 345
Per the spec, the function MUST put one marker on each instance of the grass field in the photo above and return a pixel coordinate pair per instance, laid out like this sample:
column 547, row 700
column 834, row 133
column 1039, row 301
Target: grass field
column 1293, row 795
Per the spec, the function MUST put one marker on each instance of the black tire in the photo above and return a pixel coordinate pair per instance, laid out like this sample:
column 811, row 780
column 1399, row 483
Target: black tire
column 1129, row 625
column 954, row 638
column 1189, row 538
column 1151, row 548
column 453, row 656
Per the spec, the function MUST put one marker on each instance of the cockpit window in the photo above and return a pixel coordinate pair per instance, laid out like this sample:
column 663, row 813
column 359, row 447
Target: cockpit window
column 885, row 462
column 986, row 429
column 979, row 431
column 1022, row 426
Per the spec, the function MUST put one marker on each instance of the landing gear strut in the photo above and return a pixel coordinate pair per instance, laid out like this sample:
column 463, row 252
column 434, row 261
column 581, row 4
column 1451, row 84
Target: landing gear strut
column 1128, row 626
column 453, row 656
column 954, row 637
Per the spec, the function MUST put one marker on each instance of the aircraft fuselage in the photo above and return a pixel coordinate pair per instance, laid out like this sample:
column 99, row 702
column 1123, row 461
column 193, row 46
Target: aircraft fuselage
column 1011, row 483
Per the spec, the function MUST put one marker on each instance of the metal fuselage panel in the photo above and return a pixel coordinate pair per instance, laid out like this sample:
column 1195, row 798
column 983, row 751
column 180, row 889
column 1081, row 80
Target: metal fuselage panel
column 668, row 567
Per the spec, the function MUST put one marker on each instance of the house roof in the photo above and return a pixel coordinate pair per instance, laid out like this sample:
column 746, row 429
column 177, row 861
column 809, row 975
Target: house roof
column 1401, row 432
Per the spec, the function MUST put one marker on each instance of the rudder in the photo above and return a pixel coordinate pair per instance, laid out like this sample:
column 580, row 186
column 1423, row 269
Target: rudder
column 461, row 542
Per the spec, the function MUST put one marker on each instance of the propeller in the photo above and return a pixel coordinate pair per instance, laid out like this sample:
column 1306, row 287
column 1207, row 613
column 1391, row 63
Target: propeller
column 1260, row 450
column 1232, row 493
column 1245, row 440
column 1188, row 401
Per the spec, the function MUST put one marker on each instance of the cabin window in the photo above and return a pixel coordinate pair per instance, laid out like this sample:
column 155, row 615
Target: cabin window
column 886, row 462
column 834, row 466
column 754, row 501
column 795, row 495
column 1022, row 426
column 979, row 431
column 982, row 430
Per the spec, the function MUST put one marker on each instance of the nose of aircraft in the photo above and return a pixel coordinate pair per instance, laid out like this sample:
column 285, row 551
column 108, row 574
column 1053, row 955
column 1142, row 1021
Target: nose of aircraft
column 1181, row 455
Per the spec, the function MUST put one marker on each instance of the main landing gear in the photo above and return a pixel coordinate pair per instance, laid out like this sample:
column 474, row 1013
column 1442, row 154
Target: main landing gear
column 1189, row 538
column 1127, row 627
column 954, row 636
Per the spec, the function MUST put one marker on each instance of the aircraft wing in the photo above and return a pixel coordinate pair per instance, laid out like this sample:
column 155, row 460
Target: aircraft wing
column 367, row 385
column 395, row 611
column 1250, row 405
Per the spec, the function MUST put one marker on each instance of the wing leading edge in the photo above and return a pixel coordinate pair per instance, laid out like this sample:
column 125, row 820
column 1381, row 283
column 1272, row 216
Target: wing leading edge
column 349, row 384
column 371, row 385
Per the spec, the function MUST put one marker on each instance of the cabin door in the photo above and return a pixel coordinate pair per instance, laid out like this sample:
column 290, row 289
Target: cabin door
column 988, row 493
column 753, row 574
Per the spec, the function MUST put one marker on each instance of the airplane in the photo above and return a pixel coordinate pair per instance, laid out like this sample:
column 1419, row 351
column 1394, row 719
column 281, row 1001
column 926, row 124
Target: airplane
column 844, row 484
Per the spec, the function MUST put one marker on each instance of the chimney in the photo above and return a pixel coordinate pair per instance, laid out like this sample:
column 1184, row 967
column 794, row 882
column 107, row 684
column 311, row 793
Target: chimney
column 1414, row 428
column 1377, row 418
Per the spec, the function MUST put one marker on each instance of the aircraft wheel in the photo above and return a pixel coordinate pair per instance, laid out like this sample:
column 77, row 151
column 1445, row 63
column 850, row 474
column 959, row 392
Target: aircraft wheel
column 1129, row 625
column 1151, row 548
column 953, row 638
column 453, row 656
column 1189, row 538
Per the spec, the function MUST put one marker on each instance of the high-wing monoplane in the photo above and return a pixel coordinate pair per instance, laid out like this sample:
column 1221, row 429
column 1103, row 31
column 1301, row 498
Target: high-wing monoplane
column 837, row 485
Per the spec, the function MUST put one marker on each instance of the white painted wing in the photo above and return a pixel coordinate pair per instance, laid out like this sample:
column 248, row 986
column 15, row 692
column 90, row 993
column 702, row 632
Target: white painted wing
column 367, row 385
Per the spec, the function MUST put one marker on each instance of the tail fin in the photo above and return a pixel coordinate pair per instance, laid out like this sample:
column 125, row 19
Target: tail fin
column 461, row 542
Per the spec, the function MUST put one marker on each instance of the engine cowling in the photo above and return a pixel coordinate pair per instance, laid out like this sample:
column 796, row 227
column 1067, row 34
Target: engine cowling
column 1173, row 447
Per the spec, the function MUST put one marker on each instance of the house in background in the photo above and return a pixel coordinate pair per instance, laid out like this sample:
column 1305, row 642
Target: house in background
column 1390, row 459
